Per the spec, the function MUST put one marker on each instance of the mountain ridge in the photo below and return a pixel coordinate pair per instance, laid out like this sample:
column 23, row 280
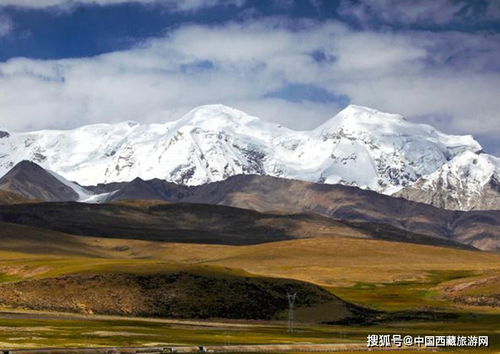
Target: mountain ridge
column 457, row 185
column 359, row 146
column 395, row 217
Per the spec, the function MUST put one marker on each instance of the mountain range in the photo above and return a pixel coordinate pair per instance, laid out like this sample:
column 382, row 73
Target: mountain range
column 381, row 216
column 359, row 147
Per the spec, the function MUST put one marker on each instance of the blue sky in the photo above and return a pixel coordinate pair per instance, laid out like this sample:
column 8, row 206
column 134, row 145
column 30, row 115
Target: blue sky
column 65, row 63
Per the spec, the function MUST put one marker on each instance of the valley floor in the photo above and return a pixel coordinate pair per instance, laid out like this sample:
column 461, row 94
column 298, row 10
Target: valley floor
column 32, row 329
column 419, row 290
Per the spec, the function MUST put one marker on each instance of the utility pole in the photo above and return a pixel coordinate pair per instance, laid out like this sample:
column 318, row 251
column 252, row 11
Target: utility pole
column 291, row 314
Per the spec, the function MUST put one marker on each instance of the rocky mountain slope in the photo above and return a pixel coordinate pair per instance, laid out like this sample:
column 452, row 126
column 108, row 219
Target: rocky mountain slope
column 7, row 197
column 32, row 181
column 394, row 216
column 480, row 229
column 467, row 182
column 359, row 147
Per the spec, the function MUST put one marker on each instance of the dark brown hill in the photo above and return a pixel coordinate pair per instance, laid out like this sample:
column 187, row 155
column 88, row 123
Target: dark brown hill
column 178, row 295
column 196, row 223
column 32, row 181
column 183, row 222
column 480, row 229
column 262, row 193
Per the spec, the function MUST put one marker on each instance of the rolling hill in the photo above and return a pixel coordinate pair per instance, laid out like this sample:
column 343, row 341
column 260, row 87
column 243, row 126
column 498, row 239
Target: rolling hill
column 208, row 294
column 196, row 223
column 48, row 270
column 371, row 272
column 480, row 229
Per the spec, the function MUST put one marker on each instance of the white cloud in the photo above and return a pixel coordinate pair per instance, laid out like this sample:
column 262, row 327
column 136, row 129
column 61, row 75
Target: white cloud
column 369, row 54
column 436, row 12
column 238, row 64
column 181, row 5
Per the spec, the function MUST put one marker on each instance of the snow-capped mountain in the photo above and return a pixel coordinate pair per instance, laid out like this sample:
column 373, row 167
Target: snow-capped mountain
column 379, row 151
column 468, row 182
column 359, row 146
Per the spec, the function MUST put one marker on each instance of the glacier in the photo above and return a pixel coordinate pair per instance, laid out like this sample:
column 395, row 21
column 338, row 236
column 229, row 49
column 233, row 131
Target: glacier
column 468, row 182
column 359, row 146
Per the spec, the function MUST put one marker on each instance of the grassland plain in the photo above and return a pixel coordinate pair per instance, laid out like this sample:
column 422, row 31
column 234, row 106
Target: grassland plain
column 42, row 329
column 384, row 275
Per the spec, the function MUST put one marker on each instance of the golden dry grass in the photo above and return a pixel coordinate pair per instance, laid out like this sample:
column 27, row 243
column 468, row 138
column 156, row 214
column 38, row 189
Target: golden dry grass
column 343, row 264
column 333, row 261
column 354, row 267
column 327, row 261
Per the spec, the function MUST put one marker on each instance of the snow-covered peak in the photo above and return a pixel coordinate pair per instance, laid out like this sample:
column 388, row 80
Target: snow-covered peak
column 468, row 181
column 221, row 119
column 364, row 114
column 218, row 117
column 468, row 169
column 360, row 146
column 214, row 114
column 368, row 124
column 358, row 118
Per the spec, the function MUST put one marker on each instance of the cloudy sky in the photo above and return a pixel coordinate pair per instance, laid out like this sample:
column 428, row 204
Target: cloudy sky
column 65, row 63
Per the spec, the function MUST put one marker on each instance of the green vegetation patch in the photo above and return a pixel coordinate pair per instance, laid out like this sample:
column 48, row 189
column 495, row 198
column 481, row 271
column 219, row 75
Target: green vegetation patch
column 403, row 295
column 5, row 278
